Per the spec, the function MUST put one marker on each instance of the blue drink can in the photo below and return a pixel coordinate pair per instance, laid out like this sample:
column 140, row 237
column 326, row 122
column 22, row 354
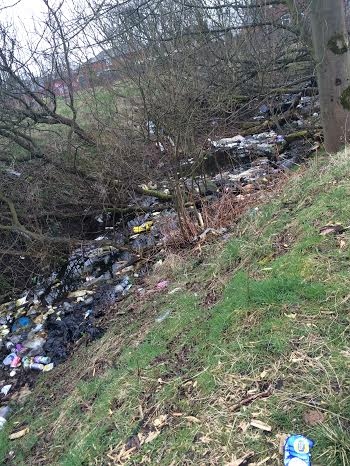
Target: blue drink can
column 297, row 451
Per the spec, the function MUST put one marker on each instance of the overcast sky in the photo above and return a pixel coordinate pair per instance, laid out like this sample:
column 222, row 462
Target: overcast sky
column 23, row 12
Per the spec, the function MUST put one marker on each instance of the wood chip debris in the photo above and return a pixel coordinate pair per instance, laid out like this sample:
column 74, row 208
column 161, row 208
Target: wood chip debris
column 260, row 425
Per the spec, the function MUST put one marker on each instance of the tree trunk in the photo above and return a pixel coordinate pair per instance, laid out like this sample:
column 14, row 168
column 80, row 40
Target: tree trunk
column 331, row 47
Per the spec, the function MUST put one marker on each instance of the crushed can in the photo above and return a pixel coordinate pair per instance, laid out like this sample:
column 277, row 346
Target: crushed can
column 297, row 451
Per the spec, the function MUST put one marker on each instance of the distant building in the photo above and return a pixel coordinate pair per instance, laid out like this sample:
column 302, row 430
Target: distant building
column 100, row 70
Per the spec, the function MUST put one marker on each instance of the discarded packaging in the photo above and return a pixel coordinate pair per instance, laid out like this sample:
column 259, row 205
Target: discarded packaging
column 228, row 142
column 297, row 451
column 38, row 363
column 5, row 389
column 163, row 316
column 162, row 285
column 143, row 228
column 263, row 143
column 16, row 361
column 21, row 301
column 9, row 358
column 48, row 367
column 35, row 345
column 35, row 366
column 21, row 323
column 79, row 293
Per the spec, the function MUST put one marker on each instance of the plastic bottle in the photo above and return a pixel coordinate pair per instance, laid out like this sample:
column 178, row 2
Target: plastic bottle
column 9, row 358
column 36, row 366
column 4, row 414
column 42, row 359
column 297, row 451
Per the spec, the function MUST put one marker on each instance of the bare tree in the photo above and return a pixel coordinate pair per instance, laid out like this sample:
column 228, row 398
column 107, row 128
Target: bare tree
column 179, row 71
column 27, row 100
column 332, row 56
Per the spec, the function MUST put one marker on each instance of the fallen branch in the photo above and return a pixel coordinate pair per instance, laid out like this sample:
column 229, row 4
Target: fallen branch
column 8, row 252
column 268, row 124
column 17, row 227
column 251, row 398
column 93, row 213
column 297, row 135
column 306, row 91
column 152, row 192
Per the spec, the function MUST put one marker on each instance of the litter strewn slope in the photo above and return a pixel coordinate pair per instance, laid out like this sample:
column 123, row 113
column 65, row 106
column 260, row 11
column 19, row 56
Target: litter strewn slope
column 250, row 341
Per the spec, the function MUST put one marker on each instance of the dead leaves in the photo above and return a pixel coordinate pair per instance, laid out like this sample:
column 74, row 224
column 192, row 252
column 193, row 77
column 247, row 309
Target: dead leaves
column 342, row 244
column 150, row 437
column 133, row 444
column 19, row 434
column 192, row 419
column 150, row 430
column 335, row 229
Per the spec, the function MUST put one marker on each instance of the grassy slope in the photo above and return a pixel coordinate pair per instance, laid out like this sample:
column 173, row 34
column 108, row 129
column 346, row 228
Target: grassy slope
column 281, row 318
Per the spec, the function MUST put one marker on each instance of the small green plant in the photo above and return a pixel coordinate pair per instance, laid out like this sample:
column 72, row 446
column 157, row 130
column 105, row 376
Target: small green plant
column 335, row 441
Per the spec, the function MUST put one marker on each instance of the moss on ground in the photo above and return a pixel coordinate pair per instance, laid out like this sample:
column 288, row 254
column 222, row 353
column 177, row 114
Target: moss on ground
column 172, row 393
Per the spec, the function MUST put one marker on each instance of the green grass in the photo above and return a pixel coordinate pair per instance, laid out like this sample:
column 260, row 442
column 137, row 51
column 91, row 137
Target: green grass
column 281, row 320
column 107, row 107
column 98, row 104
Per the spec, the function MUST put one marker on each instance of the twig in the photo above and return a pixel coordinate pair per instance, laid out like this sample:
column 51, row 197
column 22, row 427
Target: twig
column 251, row 398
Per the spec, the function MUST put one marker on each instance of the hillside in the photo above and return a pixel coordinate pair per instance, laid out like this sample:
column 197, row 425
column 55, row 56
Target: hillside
column 252, row 327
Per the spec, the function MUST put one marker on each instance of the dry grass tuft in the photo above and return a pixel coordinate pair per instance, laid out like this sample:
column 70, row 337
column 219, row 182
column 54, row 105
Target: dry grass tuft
column 167, row 268
column 223, row 212
column 183, row 231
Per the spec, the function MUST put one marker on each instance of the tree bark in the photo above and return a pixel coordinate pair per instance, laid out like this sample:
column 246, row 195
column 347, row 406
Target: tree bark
column 22, row 140
column 331, row 48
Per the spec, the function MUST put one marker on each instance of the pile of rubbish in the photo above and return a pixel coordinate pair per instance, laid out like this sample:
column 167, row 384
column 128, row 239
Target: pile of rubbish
column 40, row 328
column 257, row 145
